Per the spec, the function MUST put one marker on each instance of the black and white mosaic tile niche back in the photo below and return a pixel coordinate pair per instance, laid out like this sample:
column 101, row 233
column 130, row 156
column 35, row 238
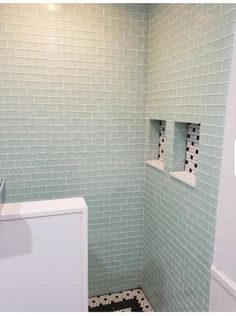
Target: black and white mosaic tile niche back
column 162, row 139
column 192, row 148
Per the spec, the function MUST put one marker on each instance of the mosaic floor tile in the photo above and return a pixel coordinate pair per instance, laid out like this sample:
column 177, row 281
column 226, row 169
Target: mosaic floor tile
column 125, row 301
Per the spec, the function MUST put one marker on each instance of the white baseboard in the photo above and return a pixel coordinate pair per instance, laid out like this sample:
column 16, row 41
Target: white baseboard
column 223, row 292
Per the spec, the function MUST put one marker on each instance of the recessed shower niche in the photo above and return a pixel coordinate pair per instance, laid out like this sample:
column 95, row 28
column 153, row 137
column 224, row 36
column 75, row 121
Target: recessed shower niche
column 186, row 151
column 157, row 140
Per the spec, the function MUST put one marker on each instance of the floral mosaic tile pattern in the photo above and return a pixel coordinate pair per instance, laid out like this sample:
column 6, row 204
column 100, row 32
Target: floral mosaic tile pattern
column 125, row 301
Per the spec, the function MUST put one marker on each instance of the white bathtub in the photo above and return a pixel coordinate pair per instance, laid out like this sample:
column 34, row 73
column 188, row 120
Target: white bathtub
column 43, row 256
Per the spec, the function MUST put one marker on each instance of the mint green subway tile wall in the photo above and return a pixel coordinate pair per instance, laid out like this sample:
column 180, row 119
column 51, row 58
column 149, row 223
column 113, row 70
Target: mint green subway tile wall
column 190, row 49
column 72, row 110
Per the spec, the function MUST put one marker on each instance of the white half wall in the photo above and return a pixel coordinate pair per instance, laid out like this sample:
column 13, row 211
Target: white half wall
column 43, row 256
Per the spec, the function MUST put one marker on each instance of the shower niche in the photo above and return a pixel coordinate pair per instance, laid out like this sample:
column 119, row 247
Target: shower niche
column 157, row 140
column 186, row 151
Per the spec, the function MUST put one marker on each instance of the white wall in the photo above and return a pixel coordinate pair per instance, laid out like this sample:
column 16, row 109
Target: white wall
column 224, row 267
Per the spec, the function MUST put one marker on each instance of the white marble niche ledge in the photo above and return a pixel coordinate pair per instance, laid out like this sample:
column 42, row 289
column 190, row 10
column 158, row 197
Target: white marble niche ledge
column 158, row 164
column 185, row 177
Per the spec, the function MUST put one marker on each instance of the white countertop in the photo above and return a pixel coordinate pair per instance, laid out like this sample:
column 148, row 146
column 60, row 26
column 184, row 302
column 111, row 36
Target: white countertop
column 12, row 211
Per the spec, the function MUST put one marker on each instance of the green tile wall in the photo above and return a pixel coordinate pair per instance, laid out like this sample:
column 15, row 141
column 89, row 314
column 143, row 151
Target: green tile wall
column 72, row 109
column 190, row 48
column 73, row 93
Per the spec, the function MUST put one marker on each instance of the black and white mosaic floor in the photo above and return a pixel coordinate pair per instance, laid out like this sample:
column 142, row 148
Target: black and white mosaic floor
column 125, row 301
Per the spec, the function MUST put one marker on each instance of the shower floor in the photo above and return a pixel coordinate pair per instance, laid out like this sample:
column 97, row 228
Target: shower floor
column 125, row 301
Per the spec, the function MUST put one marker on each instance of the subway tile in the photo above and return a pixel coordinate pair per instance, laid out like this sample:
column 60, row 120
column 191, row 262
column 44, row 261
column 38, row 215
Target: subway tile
column 60, row 75
column 73, row 89
column 174, row 212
